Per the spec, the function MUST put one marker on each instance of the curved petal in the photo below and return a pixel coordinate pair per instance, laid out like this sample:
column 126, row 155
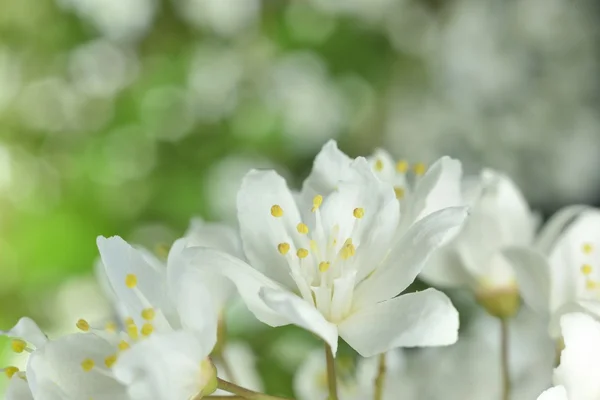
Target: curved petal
column 445, row 269
column 215, row 235
column 419, row 319
column 533, row 276
column 408, row 256
column 59, row 362
column 170, row 366
column 248, row 280
column 554, row 393
column 27, row 330
column 18, row 389
column 556, row 225
column 301, row 313
column 242, row 361
column 260, row 231
column 439, row 188
column 330, row 167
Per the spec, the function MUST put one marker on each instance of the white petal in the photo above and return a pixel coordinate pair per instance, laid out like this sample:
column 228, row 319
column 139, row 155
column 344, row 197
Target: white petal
column 439, row 188
column 167, row 365
column 330, row 167
column 59, row 361
column 248, row 280
column 556, row 225
column 419, row 319
column 242, row 361
column 408, row 256
column 18, row 389
column 27, row 330
column 533, row 276
column 121, row 259
column 215, row 235
column 260, row 231
column 310, row 379
column 445, row 269
column 301, row 313
column 555, row 393
column 382, row 159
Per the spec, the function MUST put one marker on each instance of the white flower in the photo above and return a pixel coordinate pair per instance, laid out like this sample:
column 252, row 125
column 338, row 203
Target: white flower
column 499, row 218
column 242, row 367
column 328, row 259
column 576, row 378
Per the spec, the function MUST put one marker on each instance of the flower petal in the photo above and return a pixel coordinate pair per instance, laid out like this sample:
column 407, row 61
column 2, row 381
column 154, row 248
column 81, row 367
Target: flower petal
column 533, row 276
column 408, row 256
column 168, row 366
column 248, row 280
column 419, row 319
column 261, row 232
column 554, row 393
column 556, row 225
column 445, row 269
column 300, row 312
column 242, row 363
column 27, row 330
column 214, row 235
column 18, row 389
column 330, row 167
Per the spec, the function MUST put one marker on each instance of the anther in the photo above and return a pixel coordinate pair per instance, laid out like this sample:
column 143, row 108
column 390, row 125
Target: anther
column 83, row 325
column 399, row 192
column 147, row 330
column 123, row 345
column 277, row 211
column 378, row 165
column 419, row 169
column 402, row 166
column 586, row 269
column 324, row 266
column 129, row 321
column 283, row 248
column 10, row 371
column 348, row 250
column 131, row 281
column 132, row 331
column 302, row 228
column 148, row 314
column 358, row 213
column 111, row 327
column 317, row 201
column 302, row 253
column 110, row 360
column 87, row 365
column 587, row 248
column 590, row 284
column 18, row 345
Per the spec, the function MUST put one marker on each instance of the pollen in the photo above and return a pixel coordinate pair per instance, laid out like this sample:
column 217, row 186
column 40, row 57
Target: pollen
column 277, row 211
column 147, row 330
column 358, row 213
column 148, row 314
column 587, row 248
column 586, row 269
column 123, row 345
column 283, row 248
column 419, row 169
column 87, row 365
column 83, row 325
column 131, row 281
column 111, row 326
column 302, row 228
column 348, row 250
column 399, row 192
column 302, row 253
column 110, row 360
column 324, row 266
column 402, row 166
column 317, row 201
column 132, row 331
column 129, row 321
column 18, row 345
column 590, row 284
column 378, row 165
column 10, row 371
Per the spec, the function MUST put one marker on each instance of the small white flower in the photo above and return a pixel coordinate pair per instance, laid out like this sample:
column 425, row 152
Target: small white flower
column 328, row 259
column 576, row 378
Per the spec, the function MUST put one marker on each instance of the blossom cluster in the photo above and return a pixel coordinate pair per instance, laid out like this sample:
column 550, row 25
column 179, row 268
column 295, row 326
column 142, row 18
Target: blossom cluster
column 336, row 258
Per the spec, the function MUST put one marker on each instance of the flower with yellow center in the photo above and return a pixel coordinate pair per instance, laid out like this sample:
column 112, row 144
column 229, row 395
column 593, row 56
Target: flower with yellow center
column 340, row 276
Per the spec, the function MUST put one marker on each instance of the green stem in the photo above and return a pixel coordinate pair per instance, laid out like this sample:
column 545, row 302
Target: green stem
column 243, row 392
column 225, row 397
column 380, row 379
column 331, row 376
column 504, row 354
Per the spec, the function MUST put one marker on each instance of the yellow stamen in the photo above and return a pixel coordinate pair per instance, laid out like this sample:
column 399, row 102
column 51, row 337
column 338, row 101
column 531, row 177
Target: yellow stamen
column 88, row 364
column 302, row 253
column 131, row 281
column 111, row 326
column 277, row 211
column 402, row 166
column 123, row 345
column 317, row 201
column 302, row 228
column 358, row 213
column 587, row 248
column 348, row 250
column 83, row 325
column 399, row 192
column 283, row 248
column 586, row 269
column 378, row 165
column 110, row 360
column 419, row 169
column 590, row 284
column 10, row 371
column 148, row 314
column 147, row 329
column 324, row 266
column 132, row 331
column 18, row 345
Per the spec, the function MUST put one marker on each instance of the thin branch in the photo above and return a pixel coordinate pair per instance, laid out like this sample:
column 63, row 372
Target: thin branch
column 331, row 376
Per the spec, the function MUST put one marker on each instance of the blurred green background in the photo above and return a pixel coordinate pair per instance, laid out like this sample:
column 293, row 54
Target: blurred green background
column 130, row 117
